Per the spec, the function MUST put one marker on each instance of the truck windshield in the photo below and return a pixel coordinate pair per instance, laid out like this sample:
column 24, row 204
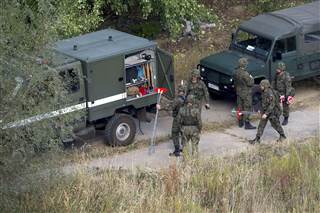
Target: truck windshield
column 252, row 44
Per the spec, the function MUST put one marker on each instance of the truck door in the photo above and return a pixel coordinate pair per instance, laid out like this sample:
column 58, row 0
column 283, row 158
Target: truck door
column 165, row 72
column 73, row 81
column 309, row 59
column 288, row 49
column 105, row 87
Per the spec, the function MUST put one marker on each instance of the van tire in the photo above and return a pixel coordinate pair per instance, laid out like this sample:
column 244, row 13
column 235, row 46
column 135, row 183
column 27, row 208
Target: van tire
column 120, row 130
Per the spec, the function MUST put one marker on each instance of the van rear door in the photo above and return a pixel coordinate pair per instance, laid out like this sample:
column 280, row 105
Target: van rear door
column 165, row 72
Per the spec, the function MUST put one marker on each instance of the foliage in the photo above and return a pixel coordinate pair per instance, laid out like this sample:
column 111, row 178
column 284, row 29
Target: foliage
column 27, row 88
column 172, row 14
column 261, row 6
column 283, row 178
column 77, row 17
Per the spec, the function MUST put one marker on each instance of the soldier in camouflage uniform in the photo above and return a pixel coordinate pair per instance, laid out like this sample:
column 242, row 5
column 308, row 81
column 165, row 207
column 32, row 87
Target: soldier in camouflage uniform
column 243, row 83
column 270, row 111
column 189, row 119
column 282, row 84
column 198, row 89
column 175, row 106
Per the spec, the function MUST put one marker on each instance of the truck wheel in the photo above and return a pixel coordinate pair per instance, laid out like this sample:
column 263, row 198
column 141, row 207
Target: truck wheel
column 120, row 130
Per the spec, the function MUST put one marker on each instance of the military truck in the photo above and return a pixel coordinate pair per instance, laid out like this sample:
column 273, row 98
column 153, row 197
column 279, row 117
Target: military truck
column 290, row 35
column 111, row 77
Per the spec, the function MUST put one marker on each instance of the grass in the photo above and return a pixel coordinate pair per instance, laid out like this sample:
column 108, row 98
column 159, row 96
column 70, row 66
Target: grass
column 278, row 178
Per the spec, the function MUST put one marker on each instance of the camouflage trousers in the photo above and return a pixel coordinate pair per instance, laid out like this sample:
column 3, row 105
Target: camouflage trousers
column 285, row 109
column 175, row 132
column 192, row 134
column 245, row 104
column 275, row 123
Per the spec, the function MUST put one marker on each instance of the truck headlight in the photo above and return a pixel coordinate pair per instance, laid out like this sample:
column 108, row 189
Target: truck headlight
column 202, row 69
column 231, row 79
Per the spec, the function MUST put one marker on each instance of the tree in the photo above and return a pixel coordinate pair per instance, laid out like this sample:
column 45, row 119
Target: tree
column 28, row 88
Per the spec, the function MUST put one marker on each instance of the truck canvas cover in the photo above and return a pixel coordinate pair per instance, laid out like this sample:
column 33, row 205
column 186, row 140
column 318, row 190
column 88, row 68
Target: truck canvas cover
column 305, row 18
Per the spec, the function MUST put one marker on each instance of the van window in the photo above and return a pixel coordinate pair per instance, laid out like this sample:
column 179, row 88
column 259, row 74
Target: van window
column 71, row 80
column 312, row 37
column 286, row 45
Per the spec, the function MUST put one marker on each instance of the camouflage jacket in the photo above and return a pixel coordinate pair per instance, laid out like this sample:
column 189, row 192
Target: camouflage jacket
column 243, row 82
column 199, row 90
column 282, row 83
column 174, row 105
column 270, row 102
column 189, row 116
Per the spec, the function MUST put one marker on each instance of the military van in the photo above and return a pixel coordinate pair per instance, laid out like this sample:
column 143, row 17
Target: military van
column 111, row 77
column 290, row 35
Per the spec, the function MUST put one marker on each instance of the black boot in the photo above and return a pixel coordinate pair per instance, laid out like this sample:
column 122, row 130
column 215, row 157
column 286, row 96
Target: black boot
column 255, row 140
column 285, row 121
column 176, row 152
column 281, row 138
column 249, row 126
column 241, row 123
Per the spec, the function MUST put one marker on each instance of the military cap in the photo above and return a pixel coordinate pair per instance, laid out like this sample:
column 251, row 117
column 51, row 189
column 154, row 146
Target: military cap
column 281, row 65
column 243, row 62
column 265, row 83
column 195, row 73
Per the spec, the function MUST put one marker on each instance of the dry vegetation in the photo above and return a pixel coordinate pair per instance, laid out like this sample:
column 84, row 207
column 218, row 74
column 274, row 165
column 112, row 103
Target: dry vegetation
column 281, row 178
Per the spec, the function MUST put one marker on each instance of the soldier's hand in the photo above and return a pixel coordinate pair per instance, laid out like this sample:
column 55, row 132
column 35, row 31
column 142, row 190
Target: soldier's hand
column 207, row 106
column 158, row 107
column 264, row 116
column 282, row 98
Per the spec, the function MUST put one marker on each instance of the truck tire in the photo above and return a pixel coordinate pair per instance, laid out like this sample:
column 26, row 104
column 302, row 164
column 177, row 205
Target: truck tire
column 120, row 130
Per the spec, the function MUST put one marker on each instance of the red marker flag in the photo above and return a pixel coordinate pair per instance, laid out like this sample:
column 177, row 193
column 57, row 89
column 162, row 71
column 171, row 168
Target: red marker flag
column 161, row 90
column 239, row 113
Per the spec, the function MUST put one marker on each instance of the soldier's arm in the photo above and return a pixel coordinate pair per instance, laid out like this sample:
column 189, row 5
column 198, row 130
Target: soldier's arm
column 206, row 92
column 271, row 104
column 288, row 85
column 249, row 80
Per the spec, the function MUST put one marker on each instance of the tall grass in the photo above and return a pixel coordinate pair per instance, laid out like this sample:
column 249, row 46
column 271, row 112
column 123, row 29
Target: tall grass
column 268, row 179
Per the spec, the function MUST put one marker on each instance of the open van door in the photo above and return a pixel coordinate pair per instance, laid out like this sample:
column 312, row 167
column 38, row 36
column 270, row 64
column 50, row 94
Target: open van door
column 165, row 72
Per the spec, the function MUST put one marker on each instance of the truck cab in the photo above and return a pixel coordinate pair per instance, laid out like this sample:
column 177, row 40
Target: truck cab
column 290, row 35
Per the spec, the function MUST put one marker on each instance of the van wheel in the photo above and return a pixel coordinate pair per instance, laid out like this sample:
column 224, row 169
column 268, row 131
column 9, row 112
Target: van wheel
column 120, row 130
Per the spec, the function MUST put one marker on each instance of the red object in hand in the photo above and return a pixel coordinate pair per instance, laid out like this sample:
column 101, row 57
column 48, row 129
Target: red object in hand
column 239, row 113
column 290, row 99
column 161, row 90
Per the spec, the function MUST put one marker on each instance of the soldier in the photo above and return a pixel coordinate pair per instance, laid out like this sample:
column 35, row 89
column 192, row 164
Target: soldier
column 282, row 84
column 243, row 83
column 198, row 89
column 270, row 111
column 189, row 119
column 175, row 106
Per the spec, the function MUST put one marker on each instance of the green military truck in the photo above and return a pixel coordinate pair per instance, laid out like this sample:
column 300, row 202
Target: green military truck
column 290, row 35
column 111, row 77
